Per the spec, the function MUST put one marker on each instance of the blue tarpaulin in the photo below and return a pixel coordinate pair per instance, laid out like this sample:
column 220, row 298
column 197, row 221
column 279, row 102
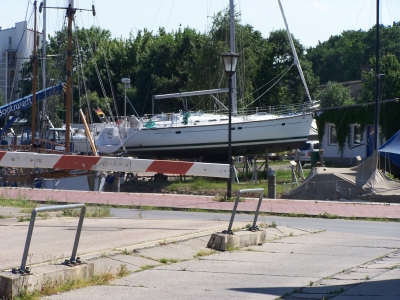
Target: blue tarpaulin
column 391, row 149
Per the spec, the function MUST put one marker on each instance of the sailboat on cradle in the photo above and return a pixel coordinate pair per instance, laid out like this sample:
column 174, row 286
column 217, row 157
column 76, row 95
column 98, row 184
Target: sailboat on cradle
column 201, row 135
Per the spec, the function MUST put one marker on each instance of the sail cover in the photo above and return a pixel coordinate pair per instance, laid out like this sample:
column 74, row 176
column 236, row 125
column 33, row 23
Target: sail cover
column 362, row 182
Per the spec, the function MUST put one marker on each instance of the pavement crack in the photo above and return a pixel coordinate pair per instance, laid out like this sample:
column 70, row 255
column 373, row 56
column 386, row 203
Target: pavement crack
column 124, row 262
column 342, row 281
column 307, row 231
column 128, row 285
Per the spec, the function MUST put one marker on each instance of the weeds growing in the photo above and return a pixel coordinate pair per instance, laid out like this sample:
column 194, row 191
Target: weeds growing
column 145, row 267
column 91, row 212
column 168, row 260
column 52, row 288
column 202, row 253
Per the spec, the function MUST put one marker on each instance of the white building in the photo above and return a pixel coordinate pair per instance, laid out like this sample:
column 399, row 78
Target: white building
column 360, row 143
column 16, row 46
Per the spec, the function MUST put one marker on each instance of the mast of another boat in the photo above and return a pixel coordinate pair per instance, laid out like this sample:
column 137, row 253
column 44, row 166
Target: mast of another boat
column 296, row 58
column 70, row 15
column 377, row 78
column 44, row 62
column 34, row 62
column 233, row 48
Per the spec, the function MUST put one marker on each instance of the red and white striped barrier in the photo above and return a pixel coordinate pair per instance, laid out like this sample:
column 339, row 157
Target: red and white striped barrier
column 115, row 164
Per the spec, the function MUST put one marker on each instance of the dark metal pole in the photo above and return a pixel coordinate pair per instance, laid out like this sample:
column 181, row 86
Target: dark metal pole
column 34, row 67
column 78, row 234
column 377, row 75
column 28, row 241
column 68, row 105
column 229, row 191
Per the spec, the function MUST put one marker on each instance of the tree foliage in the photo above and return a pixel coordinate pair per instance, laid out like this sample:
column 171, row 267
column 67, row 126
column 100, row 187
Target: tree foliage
column 183, row 60
column 341, row 59
column 334, row 95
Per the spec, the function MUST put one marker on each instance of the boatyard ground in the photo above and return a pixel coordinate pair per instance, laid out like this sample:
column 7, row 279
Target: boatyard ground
column 140, row 253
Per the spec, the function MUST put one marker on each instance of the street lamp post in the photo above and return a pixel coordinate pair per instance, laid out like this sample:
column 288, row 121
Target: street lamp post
column 230, row 61
column 125, row 81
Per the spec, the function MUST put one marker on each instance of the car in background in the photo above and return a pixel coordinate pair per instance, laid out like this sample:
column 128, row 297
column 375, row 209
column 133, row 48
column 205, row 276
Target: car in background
column 305, row 152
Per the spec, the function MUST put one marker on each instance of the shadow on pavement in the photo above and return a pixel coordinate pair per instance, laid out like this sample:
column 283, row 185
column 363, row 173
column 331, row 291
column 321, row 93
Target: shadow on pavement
column 381, row 288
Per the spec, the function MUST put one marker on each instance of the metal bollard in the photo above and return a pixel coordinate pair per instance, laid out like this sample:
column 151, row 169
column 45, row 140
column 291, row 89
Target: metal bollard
column 271, row 184
column 73, row 260
column 254, row 227
column 255, row 170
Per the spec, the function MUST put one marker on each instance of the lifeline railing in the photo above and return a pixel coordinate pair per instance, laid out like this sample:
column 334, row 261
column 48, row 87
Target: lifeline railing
column 73, row 260
column 254, row 227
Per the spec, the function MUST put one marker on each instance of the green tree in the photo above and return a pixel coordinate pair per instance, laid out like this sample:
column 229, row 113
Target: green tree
column 341, row 57
column 389, row 80
column 85, row 79
column 389, row 89
column 277, row 60
column 334, row 95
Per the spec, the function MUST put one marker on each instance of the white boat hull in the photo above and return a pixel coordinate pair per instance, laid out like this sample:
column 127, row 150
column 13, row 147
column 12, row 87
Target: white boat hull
column 249, row 137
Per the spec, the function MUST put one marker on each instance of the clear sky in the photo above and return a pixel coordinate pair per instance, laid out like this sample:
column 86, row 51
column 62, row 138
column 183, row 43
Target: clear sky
column 309, row 21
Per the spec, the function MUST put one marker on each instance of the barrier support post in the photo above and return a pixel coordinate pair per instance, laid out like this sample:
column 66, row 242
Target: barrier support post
column 26, row 270
column 254, row 227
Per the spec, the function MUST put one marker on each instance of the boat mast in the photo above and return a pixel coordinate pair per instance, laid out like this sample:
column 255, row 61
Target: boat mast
column 377, row 78
column 44, row 53
column 296, row 58
column 34, row 61
column 70, row 15
column 233, row 48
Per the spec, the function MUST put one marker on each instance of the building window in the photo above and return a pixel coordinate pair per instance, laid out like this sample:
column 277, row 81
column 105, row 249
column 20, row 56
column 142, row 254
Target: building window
column 355, row 134
column 10, row 59
column 10, row 41
column 332, row 135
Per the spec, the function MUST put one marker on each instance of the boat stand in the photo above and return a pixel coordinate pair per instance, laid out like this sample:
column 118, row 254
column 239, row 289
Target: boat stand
column 297, row 171
column 235, row 176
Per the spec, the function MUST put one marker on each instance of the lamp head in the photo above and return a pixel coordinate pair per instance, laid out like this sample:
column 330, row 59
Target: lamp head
column 126, row 80
column 230, row 60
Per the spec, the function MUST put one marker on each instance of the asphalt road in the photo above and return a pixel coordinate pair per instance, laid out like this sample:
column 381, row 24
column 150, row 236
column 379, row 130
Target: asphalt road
column 387, row 229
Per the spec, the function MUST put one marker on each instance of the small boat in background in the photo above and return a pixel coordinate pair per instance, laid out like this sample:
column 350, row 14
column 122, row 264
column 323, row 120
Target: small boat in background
column 18, row 121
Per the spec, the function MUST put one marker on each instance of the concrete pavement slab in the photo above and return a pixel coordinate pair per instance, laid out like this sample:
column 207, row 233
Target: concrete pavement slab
column 353, row 278
column 384, row 286
column 326, row 287
column 10, row 212
column 366, row 297
column 352, row 240
column 210, row 281
column 178, row 250
column 271, row 271
column 287, row 263
column 310, row 296
column 388, row 263
column 113, row 263
column 288, row 231
column 53, row 239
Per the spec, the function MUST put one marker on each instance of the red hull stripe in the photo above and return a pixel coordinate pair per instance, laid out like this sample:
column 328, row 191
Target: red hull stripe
column 2, row 153
column 76, row 162
column 169, row 167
